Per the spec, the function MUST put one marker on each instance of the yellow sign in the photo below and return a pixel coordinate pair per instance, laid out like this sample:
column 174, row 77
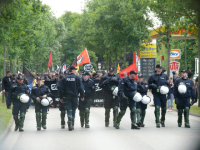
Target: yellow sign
column 149, row 51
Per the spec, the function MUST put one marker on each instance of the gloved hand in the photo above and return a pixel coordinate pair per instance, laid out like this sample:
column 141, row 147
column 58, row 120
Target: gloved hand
column 124, row 97
column 140, row 86
column 192, row 102
column 168, row 96
column 105, row 82
column 153, row 86
column 113, row 79
column 176, row 101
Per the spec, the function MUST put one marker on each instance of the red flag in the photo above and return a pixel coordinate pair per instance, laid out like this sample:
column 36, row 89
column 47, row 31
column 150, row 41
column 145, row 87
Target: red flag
column 50, row 61
column 83, row 58
column 129, row 68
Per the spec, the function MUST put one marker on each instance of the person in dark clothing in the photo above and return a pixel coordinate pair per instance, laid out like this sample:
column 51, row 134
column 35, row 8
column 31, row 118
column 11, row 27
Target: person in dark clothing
column 71, row 86
column 16, row 92
column 190, row 74
column 7, row 82
column 107, row 83
column 183, row 91
column 84, row 106
column 39, row 92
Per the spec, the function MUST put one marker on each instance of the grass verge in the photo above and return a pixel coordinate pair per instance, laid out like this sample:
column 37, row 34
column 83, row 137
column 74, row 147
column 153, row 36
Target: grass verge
column 5, row 115
column 194, row 108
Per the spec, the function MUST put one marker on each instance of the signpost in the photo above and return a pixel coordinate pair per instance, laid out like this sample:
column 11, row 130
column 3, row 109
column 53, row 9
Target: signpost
column 175, row 54
column 99, row 66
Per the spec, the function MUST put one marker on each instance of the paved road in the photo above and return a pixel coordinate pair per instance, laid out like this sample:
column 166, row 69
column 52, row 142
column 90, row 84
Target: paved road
column 99, row 137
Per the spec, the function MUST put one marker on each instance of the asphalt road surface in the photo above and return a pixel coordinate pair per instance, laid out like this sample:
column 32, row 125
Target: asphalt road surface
column 99, row 137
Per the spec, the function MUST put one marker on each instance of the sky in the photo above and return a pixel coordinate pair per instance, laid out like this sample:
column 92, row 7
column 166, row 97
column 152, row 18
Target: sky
column 60, row 6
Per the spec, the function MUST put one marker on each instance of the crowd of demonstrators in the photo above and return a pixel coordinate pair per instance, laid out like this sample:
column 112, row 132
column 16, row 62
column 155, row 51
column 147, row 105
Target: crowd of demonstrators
column 77, row 89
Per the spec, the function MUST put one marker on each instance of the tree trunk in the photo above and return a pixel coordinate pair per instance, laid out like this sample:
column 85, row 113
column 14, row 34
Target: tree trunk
column 116, row 58
column 17, row 65
column 4, row 61
column 168, row 53
column 14, row 66
column 199, row 58
column 29, row 65
column 124, row 54
column 7, row 64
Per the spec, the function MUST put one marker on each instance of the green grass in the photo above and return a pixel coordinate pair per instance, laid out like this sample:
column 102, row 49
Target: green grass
column 5, row 115
column 194, row 108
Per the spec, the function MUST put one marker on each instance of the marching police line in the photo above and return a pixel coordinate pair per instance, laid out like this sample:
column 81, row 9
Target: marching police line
column 125, row 91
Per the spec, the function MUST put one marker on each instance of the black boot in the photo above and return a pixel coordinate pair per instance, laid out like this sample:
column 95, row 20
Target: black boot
column 21, row 122
column 163, row 112
column 186, row 110
column 180, row 112
column 119, row 118
column 138, row 117
column 38, row 120
column 157, row 115
column 16, row 122
column 62, row 116
column 134, row 125
column 115, row 114
column 70, row 127
column 44, row 117
column 142, row 118
column 82, row 117
column 107, row 116
column 87, row 114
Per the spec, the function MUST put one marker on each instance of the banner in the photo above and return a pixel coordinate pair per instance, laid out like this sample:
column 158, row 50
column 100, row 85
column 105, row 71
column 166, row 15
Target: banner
column 28, row 75
column 53, row 87
column 50, row 61
column 149, row 51
column 99, row 97
column 83, row 58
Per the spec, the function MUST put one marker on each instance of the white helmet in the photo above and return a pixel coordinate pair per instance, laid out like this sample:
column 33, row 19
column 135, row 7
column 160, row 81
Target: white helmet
column 115, row 91
column 24, row 98
column 164, row 89
column 137, row 97
column 50, row 100
column 45, row 102
column 146, row 99
column 182, row 88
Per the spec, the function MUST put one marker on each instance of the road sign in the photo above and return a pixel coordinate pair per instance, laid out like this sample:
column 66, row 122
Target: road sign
column 175, row 54
column 88, row 67
column 174, row 66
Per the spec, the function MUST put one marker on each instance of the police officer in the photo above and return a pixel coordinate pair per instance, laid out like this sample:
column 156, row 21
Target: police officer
column 126, row 86
column 183, row 90
column 19, row 105
column 142, row 88
column 38, row 93
column 71, row 86
column 61, row 105
column 107, row 82
column 6, row 84
column 84, row 106
column 155, row 81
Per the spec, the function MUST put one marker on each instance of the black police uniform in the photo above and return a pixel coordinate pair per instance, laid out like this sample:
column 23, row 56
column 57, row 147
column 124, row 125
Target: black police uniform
column 71, row 86
column 111, row 101
column 159, row 99
column 39, row 92
column 84, row 106
column 61, row 105
column 183, row 100
column 126, row 87
column 141, row 108
column 6, row 84
column 13, row 94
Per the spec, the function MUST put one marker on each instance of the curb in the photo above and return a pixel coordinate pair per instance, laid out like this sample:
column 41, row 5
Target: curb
column 4, row 134
column 191, row 113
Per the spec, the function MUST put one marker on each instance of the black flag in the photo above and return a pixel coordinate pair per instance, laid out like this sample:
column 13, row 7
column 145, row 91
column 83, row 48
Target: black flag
column 28, row 75
column 63, row 64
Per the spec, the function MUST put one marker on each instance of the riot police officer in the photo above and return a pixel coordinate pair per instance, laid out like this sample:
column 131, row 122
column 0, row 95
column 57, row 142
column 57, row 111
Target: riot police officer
column 127, row 86
column 71, row 86
column 84, row 106
column 183, row 90
column 108, row 82
column 142, row 88
column 61, row 105
column 159, row 83
column 19, row 93
column 39, row 94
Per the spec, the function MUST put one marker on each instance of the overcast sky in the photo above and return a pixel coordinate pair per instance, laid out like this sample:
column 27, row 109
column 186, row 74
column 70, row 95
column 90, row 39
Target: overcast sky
column 60, row 6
